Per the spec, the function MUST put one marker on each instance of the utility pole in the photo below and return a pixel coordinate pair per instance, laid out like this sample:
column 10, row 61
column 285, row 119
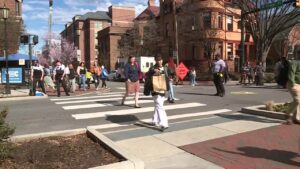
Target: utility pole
column 175, row 50
column 50, row 26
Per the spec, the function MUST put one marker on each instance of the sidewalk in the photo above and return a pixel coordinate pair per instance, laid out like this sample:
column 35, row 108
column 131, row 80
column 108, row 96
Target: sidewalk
column 269, row 148
column 200, row 148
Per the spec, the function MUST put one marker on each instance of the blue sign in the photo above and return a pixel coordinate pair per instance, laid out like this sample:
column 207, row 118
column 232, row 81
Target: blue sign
column 15, row 75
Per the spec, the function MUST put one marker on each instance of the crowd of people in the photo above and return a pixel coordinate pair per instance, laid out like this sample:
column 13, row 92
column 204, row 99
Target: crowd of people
column 252, row 74
column 67, row 77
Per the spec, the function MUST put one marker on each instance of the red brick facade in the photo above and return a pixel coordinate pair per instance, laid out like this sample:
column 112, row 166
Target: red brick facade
column 14, row 24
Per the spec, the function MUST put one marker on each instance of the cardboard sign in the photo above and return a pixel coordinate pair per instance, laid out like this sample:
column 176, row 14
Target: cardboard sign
column 181, row 71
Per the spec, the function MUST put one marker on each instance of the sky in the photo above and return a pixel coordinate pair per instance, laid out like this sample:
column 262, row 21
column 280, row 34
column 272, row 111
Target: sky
column 36, row 13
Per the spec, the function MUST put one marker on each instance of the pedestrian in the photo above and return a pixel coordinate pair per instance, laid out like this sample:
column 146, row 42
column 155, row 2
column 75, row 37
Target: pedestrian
column 81, row 71
column 259, row 74
column 170, row 73
column 47, row 77
column 245, row 71
column 218, row 75
column 88, row 79
column 250, row 74
column 282, row 77
column 293, row 85
column 103, row 76
column 72, row 78
column 37, row 76
column 132, row 83
column 58, row 76
column 160, row 116
column 96, row 70
column 193, row 76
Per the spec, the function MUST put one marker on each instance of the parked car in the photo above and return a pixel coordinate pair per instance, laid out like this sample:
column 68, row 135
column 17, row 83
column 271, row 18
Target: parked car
column 114, row 75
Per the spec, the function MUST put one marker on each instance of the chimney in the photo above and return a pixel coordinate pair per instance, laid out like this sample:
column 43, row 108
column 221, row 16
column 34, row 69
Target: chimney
column 151, row 3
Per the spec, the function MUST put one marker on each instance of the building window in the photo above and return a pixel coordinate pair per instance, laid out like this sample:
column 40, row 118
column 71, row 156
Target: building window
column 17, row 8
column 207, row 20
column 230, row 23
column 98, row 25
column 220, row 21
column 229, row 49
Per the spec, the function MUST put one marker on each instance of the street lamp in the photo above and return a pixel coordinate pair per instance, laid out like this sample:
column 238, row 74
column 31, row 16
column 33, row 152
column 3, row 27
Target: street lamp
column 4, row 12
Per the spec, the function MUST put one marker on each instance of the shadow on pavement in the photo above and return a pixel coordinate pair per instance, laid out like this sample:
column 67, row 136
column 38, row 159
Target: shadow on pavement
column 121, row 119
column 275, row 155
column 247, row 118
column 200, row 94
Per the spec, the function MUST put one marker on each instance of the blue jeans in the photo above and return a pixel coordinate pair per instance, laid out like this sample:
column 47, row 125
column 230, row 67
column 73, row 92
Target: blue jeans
column 171, row 91
column 82, row 80
column 193, row 79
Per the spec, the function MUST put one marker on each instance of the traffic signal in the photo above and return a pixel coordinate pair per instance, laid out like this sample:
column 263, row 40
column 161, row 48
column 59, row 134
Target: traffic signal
column 297, row 3
column 24, row 39
column 35, row 39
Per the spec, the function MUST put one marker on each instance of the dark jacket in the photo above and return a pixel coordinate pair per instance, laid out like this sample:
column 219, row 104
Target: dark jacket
column 131, row 72
column 151, row 73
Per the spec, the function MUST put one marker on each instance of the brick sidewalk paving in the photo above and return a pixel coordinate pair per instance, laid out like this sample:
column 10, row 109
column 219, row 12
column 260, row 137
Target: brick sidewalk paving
column 270, row 148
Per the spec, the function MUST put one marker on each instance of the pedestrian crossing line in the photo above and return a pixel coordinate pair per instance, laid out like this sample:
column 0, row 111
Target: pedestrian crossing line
column 94, row 100
column 133, row 111
column 90, row 97
column 87, row 106
column 172, row 117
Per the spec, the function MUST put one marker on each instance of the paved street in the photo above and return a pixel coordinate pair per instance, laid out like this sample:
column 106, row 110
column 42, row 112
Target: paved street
column 196, row 116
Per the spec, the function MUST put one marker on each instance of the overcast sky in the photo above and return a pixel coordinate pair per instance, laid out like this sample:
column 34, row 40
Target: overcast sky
column 36, row 12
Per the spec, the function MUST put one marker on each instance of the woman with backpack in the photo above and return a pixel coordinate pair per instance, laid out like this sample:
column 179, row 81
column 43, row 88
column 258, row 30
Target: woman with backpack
column 103, row 76
column 132, row 83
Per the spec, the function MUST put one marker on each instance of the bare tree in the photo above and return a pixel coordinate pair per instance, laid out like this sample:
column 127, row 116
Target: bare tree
column 141, row 40
column 265, row 24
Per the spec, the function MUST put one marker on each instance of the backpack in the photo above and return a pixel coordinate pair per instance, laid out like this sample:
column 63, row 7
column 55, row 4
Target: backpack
column 104, row 73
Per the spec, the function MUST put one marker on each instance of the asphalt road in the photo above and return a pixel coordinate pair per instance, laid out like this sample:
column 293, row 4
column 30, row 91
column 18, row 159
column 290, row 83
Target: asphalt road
column 97, row 108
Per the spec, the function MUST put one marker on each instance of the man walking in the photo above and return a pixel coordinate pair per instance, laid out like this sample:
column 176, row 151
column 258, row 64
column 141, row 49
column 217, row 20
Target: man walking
column 37, row 76
column 58, row 76
column 293, row 85
column 218, row 73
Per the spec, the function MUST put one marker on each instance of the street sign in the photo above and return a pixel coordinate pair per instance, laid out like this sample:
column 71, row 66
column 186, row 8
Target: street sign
column 15, row 75
column 181, row 71
column 21, row 62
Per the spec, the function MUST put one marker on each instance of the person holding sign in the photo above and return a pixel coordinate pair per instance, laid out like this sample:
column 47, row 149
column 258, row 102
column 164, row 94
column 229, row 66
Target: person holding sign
column 159, row 87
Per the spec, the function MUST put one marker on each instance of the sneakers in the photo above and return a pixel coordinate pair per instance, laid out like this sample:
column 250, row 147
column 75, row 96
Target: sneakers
column 163, row 128
column 171, row 101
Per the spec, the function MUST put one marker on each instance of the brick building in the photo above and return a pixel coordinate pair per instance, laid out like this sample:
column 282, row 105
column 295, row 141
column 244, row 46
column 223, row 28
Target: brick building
column 108, row 38
column 83, row 32
column 14, row 25
column 201, row 25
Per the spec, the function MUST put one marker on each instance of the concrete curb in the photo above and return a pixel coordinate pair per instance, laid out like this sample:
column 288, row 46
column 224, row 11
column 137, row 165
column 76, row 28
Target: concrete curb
column 18, row 98
column 130, row 162
column 257, row 111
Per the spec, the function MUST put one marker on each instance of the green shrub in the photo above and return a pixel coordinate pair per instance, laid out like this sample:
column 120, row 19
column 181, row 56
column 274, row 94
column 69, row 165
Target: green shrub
column 5, row 131
column 269, row 78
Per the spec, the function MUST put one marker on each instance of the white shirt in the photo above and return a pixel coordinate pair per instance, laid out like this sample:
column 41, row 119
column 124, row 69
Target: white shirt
column 218, row 65
column 61, row 67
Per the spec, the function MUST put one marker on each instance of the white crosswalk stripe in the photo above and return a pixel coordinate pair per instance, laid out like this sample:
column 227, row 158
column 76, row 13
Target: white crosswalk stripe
column 134, row 111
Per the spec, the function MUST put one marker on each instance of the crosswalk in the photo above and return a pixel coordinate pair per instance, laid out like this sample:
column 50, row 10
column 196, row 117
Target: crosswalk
column 107, row 105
